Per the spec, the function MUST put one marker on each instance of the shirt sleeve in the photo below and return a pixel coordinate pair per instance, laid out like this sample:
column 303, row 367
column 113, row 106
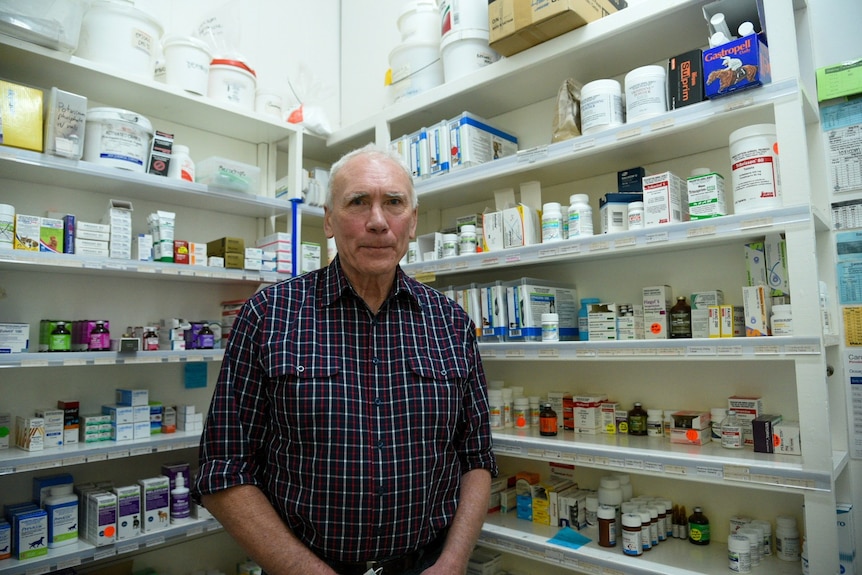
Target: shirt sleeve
column 236, row 424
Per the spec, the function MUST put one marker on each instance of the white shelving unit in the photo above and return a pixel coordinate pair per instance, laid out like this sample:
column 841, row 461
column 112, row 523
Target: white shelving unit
column 792, row 369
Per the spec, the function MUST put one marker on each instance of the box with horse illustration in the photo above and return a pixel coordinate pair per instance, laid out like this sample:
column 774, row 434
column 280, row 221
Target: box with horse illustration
column 736, row 65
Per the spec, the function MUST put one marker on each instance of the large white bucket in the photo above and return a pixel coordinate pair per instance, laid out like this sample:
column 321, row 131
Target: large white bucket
column 116, row 33
column 465, row 51
column 463, row 15
column 117, row 138
column 754, row 168
column 232, row 81
column 419, row 21
column 187, row 63
column 416, row 67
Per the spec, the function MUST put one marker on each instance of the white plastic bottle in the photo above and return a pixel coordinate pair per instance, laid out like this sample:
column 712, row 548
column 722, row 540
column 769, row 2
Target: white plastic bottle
column 181, row 165
column 467, row 241
column 552, row 222
column 179, row 501
column 580, row 216
column 731, row 432
column 62, row 509
column 787, row 542
column 636, row 215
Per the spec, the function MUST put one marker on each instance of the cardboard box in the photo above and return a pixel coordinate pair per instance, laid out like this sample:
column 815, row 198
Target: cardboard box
column 762, row 430
column 521, row 227
column 685, row 79
column 516, row 25
column 665, row 199
column 737, row 65
column 20, row 116
column 474, row 141
column 226, row 245
column 758, row 308
column 786, row 438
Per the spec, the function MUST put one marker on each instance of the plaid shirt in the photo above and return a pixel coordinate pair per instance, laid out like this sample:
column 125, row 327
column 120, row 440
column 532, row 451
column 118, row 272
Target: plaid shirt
column 357, row 427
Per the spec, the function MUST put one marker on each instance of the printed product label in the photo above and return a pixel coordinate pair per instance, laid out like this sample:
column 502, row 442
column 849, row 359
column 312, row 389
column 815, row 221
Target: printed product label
column 601, row 110
column 119, row 142
column 697, row 532
column 64, row 523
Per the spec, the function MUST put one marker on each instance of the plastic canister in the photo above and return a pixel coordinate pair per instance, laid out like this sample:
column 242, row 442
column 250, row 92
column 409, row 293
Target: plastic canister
column 521, row 413
column 601, row 106
column 552, row 222
column 187, row 63
column 269, row 103
column 465, row 51
column 550, row 327
column 463, row 15
column 580, row 216
column 610, row 493
column 62, row 509
column 645, row 93
column 636, row 215
column 7, row 226
column 787, row 543
column 416, row 67
column 782, row 320
column 495, row 408
column 766, row 531
column 450, row 245
column 120, row 35
column 755, row 174
column 181, row 166
column 232, row 81
column 631, row 535
column 420, row 20
column 117, row 138
column 467, row 240
column 738, row 554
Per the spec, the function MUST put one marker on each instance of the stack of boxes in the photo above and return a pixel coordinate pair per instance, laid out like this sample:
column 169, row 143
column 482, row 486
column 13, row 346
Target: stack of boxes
column 119, row 217
column 227, row 251
column 188, row 419
column 160, row 225
column 91, row 239
column 130, row 415
column 276, row 252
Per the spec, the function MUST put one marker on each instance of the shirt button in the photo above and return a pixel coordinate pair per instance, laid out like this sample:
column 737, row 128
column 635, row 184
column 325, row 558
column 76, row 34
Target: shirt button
column 443, row 372
column 376, row 361
column 380, row 444
column 300, row 368
column 380, row 489
column 378, row 401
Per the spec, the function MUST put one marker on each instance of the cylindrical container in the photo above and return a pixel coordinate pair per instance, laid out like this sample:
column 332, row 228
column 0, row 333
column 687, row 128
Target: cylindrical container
column 637, row 420
column 117, row 138
column 552, row 222
column 787, row 543
column 7, row 226
column 508, row 406
column 610, row 493
column 645, row 93
column 60, row 338
column 738, row 554
column 550, row 327
column 465, row 51
column 607, row 517
column 548, row 427
column 653, row 523
column 782, row 320
column 416, row 67
column 419, row 20
column 755, row 176
column 601, row 106
column 591, row 506
column 636, row 215
column 765, row 528
column 467, row 240
column 495, row 408
column 450, row 245
column 580, row 216
column 232, row 81
column 654, row 423
column 698, row 527
column 755, row 539
column 521, row 413
column 583, row 317
column 181, row 166
column 463, row 15
column 731, row 432
column 187, row 63
column 120, row 35
column 535, row 410
column 716, row 416
column 62, row 509
column 658, row 505
column 412, row 253
column 268, row 103
column 632, row 534
column 646, row 534
column 150, row 339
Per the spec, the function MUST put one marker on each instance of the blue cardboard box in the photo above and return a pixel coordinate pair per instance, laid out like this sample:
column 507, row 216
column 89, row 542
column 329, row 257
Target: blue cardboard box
column 736, row 65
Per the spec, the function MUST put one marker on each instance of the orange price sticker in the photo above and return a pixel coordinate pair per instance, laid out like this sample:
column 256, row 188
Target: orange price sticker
column 691, row 435
column 655, row 328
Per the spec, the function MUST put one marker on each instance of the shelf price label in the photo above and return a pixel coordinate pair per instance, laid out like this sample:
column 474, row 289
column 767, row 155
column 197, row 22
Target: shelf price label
column 713, row 472
column 676, row 469
column 616, row 462
column 68, row 563
column 653, row 466
column 701, row 232
column 38, row 570
column 104, row 553
column 156, row 541
column 128, row 548
column 634, row 464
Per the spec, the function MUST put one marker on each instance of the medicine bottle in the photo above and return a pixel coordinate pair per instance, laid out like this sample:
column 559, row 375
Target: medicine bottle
column 181, row 165
column 698, row 527
column 580, row 216
column 467, row 241
column 550, row 327
column 607, row 517
column 100, row 338
column 61, row 507
column 636, row 215
column 631, row 536
column 654, row 423
column 716, row 416
column 584, row 317
column 646, row 536
column 738, row 554
column 653, row 523
column 547, row 421
column 179, row 501
column 610, row 494
column 766, row 532
column 521, row 413
column 552, row 222
column 535, row 410
column 206, row 337
column 682, row 522
column 151, row 339
column 60, row 338
column 637, row 420
column 495, row 408
column 450, row 245
column 591, row 510
column 781, row 320
column 680, row 319
column 508, row 407
column 731, row 431
column 787, row 543
column 755, row 541
column 625, row 485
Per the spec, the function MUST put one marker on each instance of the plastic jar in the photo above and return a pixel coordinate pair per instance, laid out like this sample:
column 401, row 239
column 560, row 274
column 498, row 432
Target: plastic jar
column 716, row 416
column 181, row 166
column 268, row 103
column 521, row 413
column 187, row 63
column 467, row 241
column 755, row 175
column 7, row 226
column 601, row 106
column 787, row 542
column 419, row 20
column 738, row 554
column 495, row 408
column 450, row 245
column 591, row 505
column 610, row 493
column 636, row 215
column 781, row 320
column 580, row 216
column 645, row 93
column 646, row 534
column 654, row 423
column 535, row 410
column 765, row 528
column 607, row 518
column 625, row 485
column 550, row 327
column 552, row 222
column 631, row 534
column 755, row 540
column 117, row 138
column 232, row 81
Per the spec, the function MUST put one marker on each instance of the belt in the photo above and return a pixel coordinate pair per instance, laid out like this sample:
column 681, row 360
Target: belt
column 391, row 565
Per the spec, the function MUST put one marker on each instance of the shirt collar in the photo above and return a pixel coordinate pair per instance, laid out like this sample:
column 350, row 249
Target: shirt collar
column 335, row 285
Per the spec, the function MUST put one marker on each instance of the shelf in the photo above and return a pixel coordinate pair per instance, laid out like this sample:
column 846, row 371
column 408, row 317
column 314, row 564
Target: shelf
column 94, row 358
column 731, row 229
column 682, row 132
column 657, row 456
column 507, row 533
column 83, row 553
column 14, row 460
column 33, row 167
column 21, row 260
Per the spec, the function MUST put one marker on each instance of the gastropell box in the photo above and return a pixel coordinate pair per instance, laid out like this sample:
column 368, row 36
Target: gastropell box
column 736, row 65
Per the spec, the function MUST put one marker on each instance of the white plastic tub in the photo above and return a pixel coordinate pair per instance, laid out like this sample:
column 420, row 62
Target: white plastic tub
column 416, row 67
column 465, row 51
column 419, row 20
column 117, row 138
column 232, row 81
column 187, row 63
column 116, row 33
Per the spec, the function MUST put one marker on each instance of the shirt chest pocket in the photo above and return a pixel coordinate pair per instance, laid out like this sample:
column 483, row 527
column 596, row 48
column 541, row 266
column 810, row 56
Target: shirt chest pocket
column 439, row 385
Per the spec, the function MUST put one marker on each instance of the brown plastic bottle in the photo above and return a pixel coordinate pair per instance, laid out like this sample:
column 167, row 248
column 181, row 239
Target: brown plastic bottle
column 680, row 319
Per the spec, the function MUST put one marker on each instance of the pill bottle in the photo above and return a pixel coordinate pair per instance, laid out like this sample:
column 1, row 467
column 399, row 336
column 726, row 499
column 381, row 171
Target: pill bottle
column 601, row 106
column 716, row 416
column 731, row 431
column 755, row 540
column 765, row 528
column 150, row 339
column 7, row 226
column 508, row 406
column 60, row 338
column 412, row 251
column 667, row 422
column 625, row 485
column 738, row 554
column 654, row 423
column 646, row 535
column 450, row 245
column 682, row 522
column 100, row 338
column 591, row 506
column 580, row 216
column 631, row 535
column 181, row 165
column 495, row 408
column 552, row 222
column 535, row 410
column 584, row 317
column 636, row 215
column 467, row 241
column 179, row 501
column 521, row 413
column 781, row 320
column 609, row 493
column 547, row 421
column 550, row 327
column 787, row 543
column 658, row 505
column 607, row 518
column 62, row 509
column 680, row 319
column 637, row 420
column 698, row 527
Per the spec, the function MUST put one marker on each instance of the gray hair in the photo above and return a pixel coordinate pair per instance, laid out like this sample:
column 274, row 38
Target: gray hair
column 374, row 151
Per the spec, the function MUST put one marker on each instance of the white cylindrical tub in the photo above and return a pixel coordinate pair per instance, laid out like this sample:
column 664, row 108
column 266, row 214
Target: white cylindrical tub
column 117, row 138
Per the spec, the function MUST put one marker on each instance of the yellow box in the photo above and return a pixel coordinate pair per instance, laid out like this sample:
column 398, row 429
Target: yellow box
column 20, row 116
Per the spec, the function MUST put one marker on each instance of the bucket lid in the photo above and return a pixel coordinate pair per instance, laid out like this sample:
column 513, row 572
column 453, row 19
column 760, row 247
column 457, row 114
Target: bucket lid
column 186, row 41
column 467, row 34
column 235, row 63
column 126, row 8
column 753, row 130
column 417, row 6
column 119, row 115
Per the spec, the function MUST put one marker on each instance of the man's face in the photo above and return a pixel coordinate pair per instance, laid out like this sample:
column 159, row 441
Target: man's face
column 372, row 218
